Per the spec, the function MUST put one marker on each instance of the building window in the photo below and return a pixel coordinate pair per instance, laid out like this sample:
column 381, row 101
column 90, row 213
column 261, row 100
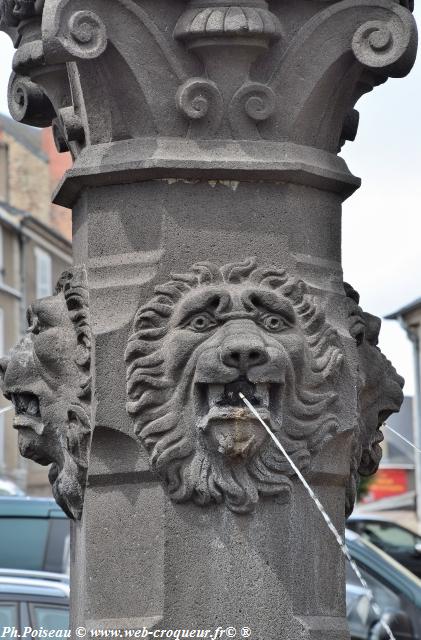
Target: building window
column 43, row 273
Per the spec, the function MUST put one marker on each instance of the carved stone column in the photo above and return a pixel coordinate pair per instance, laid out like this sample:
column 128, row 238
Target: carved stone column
column 206, row 192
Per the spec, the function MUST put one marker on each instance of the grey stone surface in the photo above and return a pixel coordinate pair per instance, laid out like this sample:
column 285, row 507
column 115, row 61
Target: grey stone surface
column 208, row 335
column 204, row 132
column 379, row 391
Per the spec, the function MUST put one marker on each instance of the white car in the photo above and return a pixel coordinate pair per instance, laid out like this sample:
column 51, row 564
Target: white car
column 9, row 488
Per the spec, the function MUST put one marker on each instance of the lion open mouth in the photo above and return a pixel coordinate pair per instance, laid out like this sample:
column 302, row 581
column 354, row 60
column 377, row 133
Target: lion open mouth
column 27, row 411
column 227, row 424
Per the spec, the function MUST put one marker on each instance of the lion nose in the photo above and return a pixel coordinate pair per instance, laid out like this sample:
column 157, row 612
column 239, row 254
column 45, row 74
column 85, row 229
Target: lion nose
column 243, row 353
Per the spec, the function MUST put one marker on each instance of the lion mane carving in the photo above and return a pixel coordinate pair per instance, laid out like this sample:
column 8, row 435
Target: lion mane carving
column 379, row 394
column 48, row 379
column 205, row 336
column 13, row 11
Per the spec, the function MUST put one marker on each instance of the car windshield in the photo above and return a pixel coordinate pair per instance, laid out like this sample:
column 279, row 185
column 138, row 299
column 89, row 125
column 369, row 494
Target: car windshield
column 50, row 618
column 384, row 597
column 33, row 543
column 389, row 536
column 380, row 562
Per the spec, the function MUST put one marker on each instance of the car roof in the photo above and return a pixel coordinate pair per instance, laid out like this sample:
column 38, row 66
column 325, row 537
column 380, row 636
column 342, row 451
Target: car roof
column 33, row 587
column 389, row 570
column 29, row 573
column 370, row 516
column 29, row 507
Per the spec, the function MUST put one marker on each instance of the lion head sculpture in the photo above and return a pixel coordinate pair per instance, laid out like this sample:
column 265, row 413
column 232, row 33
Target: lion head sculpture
column 379, row 394
column 205, row 336
column 47, row 377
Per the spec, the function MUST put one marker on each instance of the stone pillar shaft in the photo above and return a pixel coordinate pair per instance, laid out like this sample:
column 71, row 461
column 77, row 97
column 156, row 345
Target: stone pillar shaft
column 206, row 192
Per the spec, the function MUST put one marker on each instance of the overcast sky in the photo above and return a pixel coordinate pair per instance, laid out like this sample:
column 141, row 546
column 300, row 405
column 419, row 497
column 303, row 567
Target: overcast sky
column 381, row 221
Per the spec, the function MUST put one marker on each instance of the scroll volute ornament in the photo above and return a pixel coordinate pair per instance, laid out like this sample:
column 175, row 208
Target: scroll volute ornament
column 37, row 91
column 228, row 38
column 234, row 69
column 304, row 90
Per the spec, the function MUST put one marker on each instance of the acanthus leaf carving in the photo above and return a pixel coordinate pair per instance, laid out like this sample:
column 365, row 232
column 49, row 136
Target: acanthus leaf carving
column 319, row 78
column 96, row 38
column 233, row 70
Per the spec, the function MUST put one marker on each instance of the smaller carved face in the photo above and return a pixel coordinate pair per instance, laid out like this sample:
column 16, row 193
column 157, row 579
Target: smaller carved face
column 43, row 379
column 379, row 392
column 39, row 380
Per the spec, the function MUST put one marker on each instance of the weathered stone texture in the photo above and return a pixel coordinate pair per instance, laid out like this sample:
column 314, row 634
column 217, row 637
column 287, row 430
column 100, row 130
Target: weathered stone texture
column 47, row 377
column 206, row 191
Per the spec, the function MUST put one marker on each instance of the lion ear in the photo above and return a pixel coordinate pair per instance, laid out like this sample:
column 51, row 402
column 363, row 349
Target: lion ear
column 78, row 435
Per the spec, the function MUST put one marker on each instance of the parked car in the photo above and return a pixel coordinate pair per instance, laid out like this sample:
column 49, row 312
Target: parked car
column 399, row 542
column 396, row 590
column 9, row 488
column 34, row 534
column 36, row 600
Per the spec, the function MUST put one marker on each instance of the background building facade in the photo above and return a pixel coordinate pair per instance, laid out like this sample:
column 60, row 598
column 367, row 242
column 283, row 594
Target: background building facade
column 34, row 249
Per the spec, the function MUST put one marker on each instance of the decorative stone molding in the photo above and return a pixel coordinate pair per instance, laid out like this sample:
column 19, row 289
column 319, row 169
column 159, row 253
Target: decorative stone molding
column 214, row 23
column 48, row 379
column 205, row 336
column 228, row 70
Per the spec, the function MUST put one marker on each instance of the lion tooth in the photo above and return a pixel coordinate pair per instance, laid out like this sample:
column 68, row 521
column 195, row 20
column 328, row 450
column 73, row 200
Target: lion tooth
column 32, row 407
column 263, row 393
column 215, row 393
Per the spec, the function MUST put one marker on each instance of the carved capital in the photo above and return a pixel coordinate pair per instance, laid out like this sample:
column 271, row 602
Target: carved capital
column 203, row 70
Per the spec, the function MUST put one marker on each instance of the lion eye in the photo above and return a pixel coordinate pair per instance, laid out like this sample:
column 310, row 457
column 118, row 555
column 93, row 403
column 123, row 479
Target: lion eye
column 201, row 322
column 274, row 323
